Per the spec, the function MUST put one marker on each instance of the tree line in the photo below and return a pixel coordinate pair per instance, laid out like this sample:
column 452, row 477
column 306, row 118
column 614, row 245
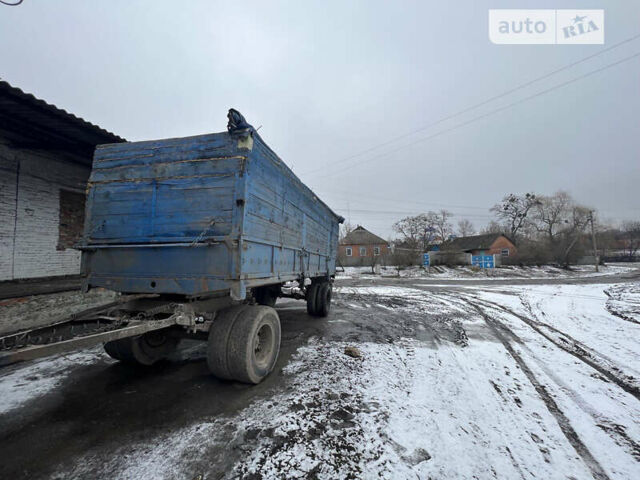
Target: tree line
column 545, row 228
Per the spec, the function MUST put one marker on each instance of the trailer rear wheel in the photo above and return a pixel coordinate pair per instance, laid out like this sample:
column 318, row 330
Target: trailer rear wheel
column 312, row 295
column 267, row 295
column 319, row 299
column 245, row 343
column 218, row 343
column 144, row 349
column 323, row 299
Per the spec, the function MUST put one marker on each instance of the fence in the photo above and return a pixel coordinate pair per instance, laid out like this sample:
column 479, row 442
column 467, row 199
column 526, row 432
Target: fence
column 432, row 259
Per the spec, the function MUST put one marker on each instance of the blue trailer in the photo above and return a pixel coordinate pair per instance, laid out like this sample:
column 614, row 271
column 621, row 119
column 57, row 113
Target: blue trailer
column 201, row 233
column 196, row 215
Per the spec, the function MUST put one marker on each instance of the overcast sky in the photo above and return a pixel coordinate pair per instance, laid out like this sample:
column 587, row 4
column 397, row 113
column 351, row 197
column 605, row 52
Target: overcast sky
column 329, row 80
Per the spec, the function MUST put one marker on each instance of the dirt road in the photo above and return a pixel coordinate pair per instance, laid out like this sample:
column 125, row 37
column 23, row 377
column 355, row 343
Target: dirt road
column 456, row 380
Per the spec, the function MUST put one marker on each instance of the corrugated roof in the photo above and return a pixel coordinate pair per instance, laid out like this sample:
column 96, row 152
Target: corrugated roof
column 28, row 122
column 474, row 242
column 362, row 236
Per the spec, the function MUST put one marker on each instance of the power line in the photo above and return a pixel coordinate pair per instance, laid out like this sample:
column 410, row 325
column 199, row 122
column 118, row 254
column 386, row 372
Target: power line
column 477, row 105
column 407, row 212
column 485, row 115
column 437, row 205
column 459, row 214
column 398, row 200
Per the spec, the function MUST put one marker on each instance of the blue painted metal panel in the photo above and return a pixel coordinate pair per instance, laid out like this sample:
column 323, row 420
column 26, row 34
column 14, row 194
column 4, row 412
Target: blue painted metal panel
column 201, row 214
column 488, row 261
column 483, row 261
column 426, row 260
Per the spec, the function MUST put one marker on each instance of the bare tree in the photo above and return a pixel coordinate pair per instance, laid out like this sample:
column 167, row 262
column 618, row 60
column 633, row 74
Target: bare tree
column 375, row 260
column 492, row 227
column 417, row 231
column 607, row 238
column 561, row 223
column 465, row 228
column 551, row 213
column 442, row 224
column 409, row 229
column 575, row 226
column 345, row 229
column 514, row 210
column 631, row 237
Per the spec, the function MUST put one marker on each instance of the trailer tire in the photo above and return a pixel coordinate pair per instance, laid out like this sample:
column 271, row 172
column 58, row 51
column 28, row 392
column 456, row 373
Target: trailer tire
column 218, row 341
column 252, row 344
column 312, row 295
column 144, row 349
column 267, row 295
column 323, row 299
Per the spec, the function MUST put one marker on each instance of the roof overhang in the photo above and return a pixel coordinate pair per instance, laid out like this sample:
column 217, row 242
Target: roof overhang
column 27, row 122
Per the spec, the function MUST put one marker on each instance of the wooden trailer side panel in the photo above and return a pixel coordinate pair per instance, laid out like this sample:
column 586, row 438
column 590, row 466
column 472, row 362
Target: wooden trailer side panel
column 287, row 230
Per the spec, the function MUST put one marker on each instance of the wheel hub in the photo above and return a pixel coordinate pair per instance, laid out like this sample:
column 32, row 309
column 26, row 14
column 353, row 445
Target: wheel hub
column 263, row 344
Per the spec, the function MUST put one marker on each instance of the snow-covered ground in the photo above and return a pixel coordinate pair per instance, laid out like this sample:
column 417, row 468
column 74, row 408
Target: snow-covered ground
column 478, row 382
column 581, row 316
column 502, row 273
column 624, row 301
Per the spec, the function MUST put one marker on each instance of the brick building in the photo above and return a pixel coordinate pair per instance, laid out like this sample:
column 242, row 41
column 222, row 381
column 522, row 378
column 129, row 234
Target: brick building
column 361, row 248
column 45, row 161
column 488, row 244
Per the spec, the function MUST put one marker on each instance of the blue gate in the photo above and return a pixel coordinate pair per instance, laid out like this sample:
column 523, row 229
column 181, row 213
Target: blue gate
column 483, row 261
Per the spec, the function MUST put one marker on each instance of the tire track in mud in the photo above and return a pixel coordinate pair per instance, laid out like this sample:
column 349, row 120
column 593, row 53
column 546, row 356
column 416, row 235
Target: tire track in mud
column 622, row 316
column 613, row 295
column 409, row 316
column 616, row 432
column 578, row 345
column 575, row 348
column 508, row 338
column 570, row 434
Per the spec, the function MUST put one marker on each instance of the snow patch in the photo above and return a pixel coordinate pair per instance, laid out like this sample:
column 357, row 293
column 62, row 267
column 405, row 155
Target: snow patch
column 23, row 383
column 502, row 273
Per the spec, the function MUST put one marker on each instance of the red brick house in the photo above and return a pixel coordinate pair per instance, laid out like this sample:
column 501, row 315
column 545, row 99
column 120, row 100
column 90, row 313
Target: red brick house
column 488, row 244
column 361, row 248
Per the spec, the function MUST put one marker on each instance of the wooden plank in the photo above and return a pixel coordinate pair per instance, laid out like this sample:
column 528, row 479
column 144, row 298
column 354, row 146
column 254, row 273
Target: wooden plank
column 178, row 208
column 172, row 169
column 159, row 150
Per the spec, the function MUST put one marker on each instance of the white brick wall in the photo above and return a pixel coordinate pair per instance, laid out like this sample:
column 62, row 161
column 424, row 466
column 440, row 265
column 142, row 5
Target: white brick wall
column 8, row 186
column 36, row 230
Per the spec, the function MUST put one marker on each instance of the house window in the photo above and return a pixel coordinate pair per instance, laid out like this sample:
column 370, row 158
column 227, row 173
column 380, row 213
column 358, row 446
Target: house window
column 505, row 252
column 363, row 251
column 71, row 218
column 348, row 251
column 376, row 251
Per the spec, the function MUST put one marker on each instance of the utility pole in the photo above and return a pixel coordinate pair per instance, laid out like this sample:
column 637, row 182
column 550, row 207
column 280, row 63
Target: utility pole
column 593, row 241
